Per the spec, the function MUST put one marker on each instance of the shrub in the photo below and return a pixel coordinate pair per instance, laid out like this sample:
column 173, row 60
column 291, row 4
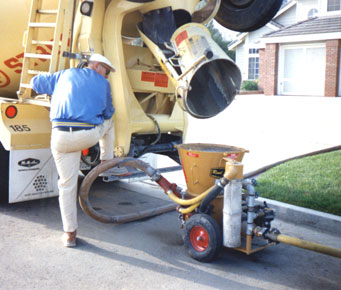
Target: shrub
column 250, row 86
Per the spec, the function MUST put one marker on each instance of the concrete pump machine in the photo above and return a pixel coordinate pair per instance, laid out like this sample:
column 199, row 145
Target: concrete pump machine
column 167, row 66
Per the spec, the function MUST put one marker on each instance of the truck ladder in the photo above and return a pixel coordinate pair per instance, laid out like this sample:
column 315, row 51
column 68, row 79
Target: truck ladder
column 37, row 48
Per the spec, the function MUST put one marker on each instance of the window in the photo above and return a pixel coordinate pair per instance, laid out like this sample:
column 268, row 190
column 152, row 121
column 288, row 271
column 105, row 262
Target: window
column 253, row 51
column 334, row 5
column 253, row 64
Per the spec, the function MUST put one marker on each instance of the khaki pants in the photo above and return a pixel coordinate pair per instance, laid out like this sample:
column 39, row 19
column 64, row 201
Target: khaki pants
column 66, row 149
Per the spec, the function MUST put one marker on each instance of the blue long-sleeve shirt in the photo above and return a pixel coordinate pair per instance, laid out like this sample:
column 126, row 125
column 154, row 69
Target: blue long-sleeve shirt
column 78, row 95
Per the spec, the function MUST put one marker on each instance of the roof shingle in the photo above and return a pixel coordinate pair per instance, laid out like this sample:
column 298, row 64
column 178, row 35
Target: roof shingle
column 316, row 25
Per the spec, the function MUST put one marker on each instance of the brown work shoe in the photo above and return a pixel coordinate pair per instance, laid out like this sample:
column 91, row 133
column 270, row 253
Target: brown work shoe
column 69, row 239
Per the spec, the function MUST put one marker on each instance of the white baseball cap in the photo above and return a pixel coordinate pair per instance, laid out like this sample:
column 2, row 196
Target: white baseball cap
column 100, row 58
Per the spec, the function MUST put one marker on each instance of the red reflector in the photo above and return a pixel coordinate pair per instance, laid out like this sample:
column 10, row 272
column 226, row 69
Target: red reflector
column 11, row 112
column 85, row 152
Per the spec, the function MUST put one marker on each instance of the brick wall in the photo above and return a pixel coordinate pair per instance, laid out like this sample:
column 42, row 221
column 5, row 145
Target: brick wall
column 269, row 69
column 332, row 68
column 261, row 75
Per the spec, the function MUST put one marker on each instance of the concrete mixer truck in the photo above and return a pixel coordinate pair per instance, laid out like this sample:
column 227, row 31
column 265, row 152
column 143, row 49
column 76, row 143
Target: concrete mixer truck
column 167, row 66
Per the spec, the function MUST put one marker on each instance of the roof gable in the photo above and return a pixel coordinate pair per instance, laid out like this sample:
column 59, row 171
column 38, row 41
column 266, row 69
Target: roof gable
column 316, row 25
column 314, row 29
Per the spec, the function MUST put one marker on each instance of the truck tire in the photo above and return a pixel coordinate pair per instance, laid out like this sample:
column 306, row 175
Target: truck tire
column 246, row 15
column 4, row 169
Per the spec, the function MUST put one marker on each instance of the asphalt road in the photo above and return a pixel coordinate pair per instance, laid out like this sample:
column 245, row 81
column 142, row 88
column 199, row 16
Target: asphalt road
column 149, row 254
column 146, row 254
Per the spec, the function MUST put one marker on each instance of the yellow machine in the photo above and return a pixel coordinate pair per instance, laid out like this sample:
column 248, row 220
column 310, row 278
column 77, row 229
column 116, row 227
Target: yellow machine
column 166, row 64
column 217, row 209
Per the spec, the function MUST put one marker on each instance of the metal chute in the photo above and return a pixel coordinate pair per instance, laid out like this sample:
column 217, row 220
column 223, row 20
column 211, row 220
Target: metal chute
column 206, row 79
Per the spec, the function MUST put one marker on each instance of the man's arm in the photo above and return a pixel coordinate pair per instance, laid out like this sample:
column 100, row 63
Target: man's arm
column 109, row 110
column 44, row 83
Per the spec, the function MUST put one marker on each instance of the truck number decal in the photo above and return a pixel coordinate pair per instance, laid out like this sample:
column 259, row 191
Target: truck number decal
column 20, row 128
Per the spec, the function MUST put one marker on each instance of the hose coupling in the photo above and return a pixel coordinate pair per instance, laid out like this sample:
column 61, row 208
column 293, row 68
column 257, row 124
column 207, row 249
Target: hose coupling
column 260, row 232
column 222, row 182
column 154, row 175
column 272, row 235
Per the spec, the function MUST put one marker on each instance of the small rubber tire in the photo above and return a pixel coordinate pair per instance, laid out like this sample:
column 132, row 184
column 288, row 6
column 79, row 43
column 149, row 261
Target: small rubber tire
column 4, row 176
column 202, row 237
column 247, row 17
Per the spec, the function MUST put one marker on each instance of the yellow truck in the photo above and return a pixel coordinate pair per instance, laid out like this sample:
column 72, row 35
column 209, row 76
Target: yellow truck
column 167, row 66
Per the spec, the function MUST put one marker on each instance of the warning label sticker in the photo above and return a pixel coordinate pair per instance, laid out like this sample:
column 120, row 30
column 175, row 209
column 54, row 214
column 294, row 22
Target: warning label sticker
column 191, row 154
column 233, row 155
column 147, row 76
column 182, row 36
column 159, row 79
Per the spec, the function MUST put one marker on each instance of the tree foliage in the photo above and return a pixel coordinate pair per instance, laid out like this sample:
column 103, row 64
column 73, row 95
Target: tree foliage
column 218, row 38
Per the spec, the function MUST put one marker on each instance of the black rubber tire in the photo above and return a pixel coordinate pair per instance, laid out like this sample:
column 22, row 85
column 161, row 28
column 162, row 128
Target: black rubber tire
column 4, row 172
column 208, row 250
column 247, row 17
column 94, row 153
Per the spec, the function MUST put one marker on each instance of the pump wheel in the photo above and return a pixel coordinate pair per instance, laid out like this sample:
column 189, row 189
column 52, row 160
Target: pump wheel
column 246, row 15
column 202, row 237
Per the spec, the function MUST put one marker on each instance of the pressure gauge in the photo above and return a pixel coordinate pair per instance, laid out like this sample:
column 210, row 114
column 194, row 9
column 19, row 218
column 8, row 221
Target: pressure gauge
column 86, row 8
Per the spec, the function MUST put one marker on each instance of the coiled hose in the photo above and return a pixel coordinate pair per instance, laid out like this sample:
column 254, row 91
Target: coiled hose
column 117, row 219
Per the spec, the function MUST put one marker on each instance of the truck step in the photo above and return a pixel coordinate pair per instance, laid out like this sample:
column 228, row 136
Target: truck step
column 42, row 24
column 47, row 11
column 43, row 42
column 26, row 86
column 35, row 72
column 37, row 55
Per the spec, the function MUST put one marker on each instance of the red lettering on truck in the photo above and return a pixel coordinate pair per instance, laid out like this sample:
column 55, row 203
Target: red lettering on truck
column 15, row 62
column 4, row 79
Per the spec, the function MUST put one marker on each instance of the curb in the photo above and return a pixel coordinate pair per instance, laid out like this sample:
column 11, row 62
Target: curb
column 305, row 216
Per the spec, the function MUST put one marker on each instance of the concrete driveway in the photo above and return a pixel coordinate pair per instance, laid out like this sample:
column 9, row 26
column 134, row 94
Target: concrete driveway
column 272, row 128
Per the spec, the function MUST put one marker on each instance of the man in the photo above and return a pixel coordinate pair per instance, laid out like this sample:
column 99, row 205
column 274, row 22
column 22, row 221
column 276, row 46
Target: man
column 81, row 115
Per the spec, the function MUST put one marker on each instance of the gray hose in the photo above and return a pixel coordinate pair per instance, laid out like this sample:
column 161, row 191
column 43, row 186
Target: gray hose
column 93, row 174
column 267, row 167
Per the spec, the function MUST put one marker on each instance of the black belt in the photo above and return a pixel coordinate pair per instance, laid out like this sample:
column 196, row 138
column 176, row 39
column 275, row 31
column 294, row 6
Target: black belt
column 71, row 129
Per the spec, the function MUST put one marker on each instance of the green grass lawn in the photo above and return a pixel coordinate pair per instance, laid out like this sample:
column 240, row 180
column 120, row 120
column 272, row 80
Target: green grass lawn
column 312, row 182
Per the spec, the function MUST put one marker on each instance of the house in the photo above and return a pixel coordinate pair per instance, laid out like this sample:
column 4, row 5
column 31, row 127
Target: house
column 297, row 53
